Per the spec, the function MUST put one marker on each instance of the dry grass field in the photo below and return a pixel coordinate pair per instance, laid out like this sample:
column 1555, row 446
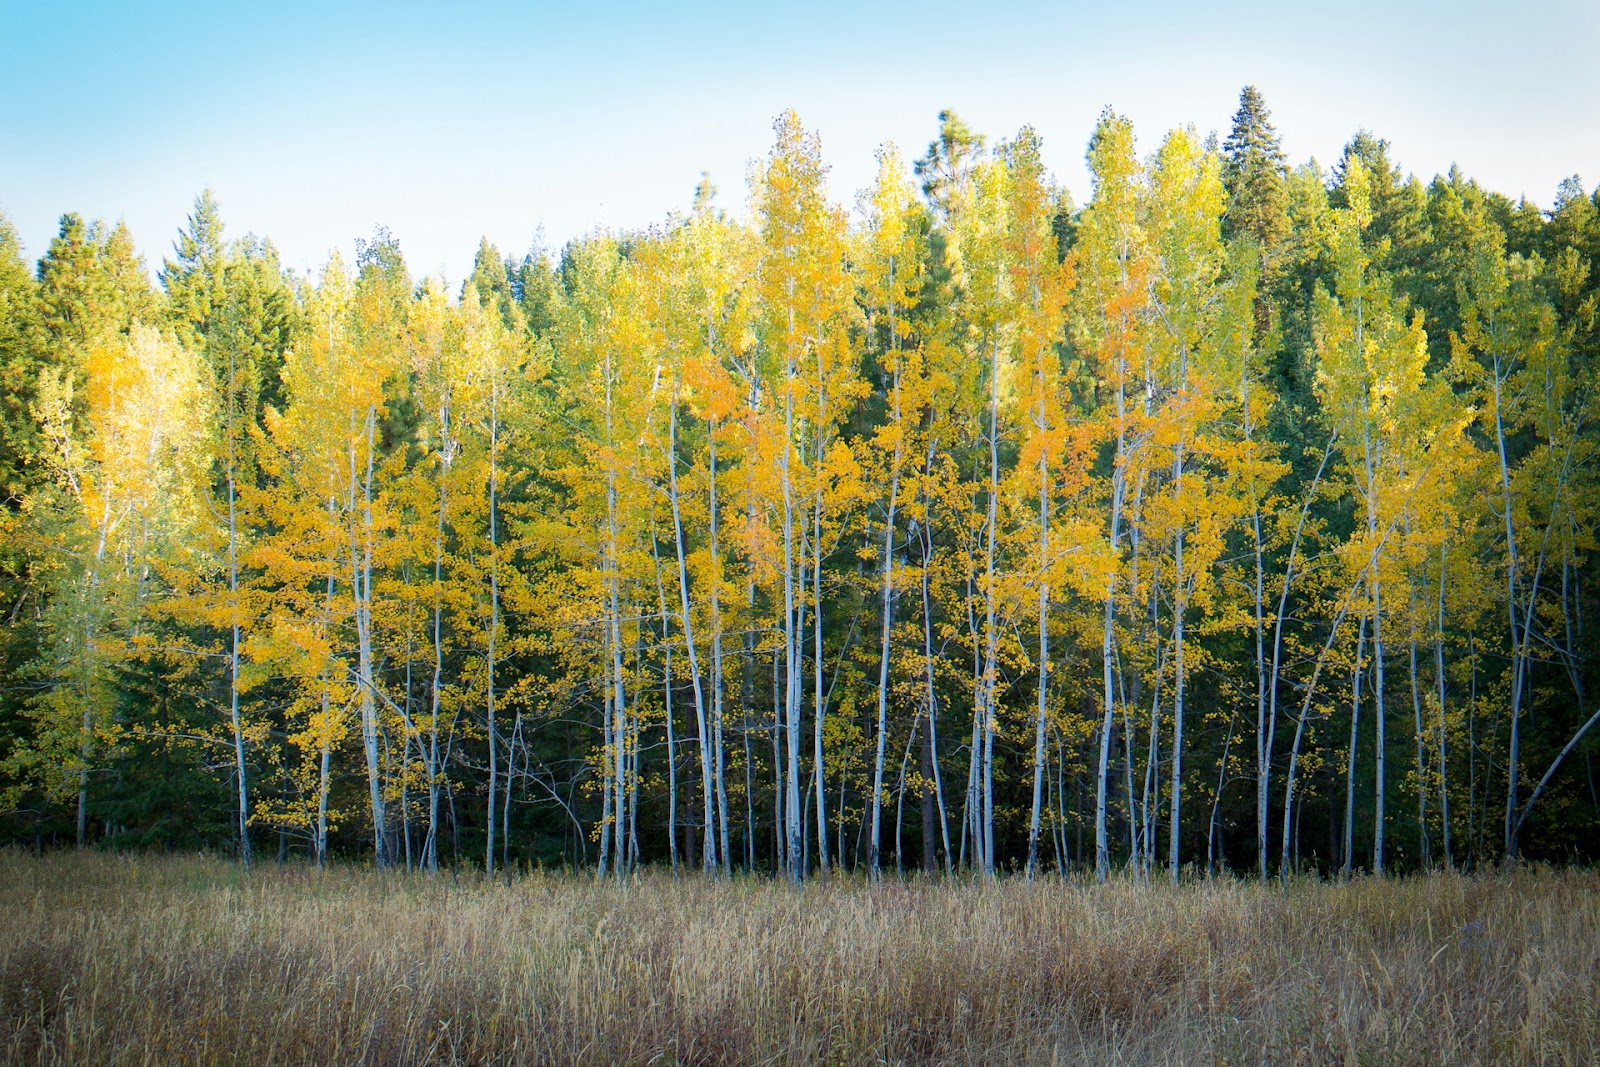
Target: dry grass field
column 155, row 960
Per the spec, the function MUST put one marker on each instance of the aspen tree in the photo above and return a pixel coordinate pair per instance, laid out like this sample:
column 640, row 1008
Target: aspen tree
column 130, row 469
column 377, row 309
column 979, row 224
column 707, row 759
column 1111, row 266
column 688, row 294
column 491, row 360
column 335, row 379
column 1370, row 368
column 1186, row 203
column 802, row 291
column 666, row 698
column 439, row 373
column 600, row 343
column 1502, row 330
column 1039, row 287
column 228, row 305
column 718, row 276
column 300, row 563
column 890, row 283
column 1509, row 349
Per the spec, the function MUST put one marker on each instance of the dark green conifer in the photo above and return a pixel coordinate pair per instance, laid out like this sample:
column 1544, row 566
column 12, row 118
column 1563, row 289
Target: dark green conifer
column 1255, row 174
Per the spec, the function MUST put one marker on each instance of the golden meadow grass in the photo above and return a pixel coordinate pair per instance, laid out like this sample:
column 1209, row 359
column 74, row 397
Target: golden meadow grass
column 161, row 960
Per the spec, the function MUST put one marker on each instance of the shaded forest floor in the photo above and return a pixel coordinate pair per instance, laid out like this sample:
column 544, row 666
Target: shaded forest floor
column 160, row 960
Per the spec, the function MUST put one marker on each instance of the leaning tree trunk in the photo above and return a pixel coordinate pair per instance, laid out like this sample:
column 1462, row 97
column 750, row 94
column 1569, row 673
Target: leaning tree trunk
column 709, row 853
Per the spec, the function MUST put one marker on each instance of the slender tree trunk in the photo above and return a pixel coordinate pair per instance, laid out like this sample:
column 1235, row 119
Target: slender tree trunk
column 619, row 700
column 635, row 754
column 1355, row 736
column 971, row 821
column 1439, row 678
column 83, row 780
column 791, row 638
column 666, row 694
column 874, row 837
column 1284, row 862
column 749, row 694
column 361, row 581
column 494, row 611
column 819, row 695
column 1379, row 718
column 324, row 775
column 717, row 682
column 932, row 744
column 900, row 800
column 1044, row 642
column 1426, row 858
column 1152, row 773
column 687, row 625
column 233, row 658
column 1102, row 852
column 430, row 848
column 1264, row 766
column 1555, row 764
column 748, row 699
column 780, row 809
column 405, row 748
column 1573, row 631
column 1180, row 609
column 990, row 636
column 607, row 827
column 1216, row 798
column 1263, row 748
column 324, row 782
column 505, row 796
column 1178, row 612
column 1131, row 693
column 1514, row 756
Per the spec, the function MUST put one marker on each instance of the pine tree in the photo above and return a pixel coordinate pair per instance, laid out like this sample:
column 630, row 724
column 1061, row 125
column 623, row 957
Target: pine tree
column 22, row 352
column 1255, row 175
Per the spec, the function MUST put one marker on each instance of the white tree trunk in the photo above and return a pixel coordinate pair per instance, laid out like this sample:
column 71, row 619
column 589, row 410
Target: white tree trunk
column 708, row 796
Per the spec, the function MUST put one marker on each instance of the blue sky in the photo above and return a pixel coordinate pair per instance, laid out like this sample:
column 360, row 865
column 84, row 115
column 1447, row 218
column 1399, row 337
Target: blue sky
column 444, row 123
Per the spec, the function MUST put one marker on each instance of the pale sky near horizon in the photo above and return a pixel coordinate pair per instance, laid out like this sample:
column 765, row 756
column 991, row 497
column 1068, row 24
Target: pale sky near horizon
column 316, row 123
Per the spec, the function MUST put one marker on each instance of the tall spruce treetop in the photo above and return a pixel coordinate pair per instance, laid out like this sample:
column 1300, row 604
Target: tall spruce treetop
column 491, row 280
column 92, row 282
column 193, row 279
column 1255, row 174
column 538, row 292
column 21, row 356
column 232, row 301
column 1398, row 207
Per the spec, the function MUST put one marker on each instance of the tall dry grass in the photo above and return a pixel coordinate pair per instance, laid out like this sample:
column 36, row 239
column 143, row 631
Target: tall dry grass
column 149, row 960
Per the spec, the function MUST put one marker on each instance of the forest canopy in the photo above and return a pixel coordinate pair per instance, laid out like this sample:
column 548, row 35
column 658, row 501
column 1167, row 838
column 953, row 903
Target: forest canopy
column 1240, row 517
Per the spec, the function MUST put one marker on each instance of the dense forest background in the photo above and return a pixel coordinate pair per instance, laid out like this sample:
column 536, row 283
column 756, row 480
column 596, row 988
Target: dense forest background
column 1242, row 517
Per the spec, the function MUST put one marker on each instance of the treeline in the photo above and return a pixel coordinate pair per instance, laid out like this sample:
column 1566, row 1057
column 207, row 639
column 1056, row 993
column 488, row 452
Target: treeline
column 1243, row 516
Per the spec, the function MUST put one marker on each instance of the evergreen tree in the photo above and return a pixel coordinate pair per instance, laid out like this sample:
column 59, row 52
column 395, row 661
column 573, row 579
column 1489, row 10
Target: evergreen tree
column 20, row 353
column 947, row 166
column 538, row 291
column 92, row 283
column 491, row 281
column 193, row 281
column 1255, row 174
